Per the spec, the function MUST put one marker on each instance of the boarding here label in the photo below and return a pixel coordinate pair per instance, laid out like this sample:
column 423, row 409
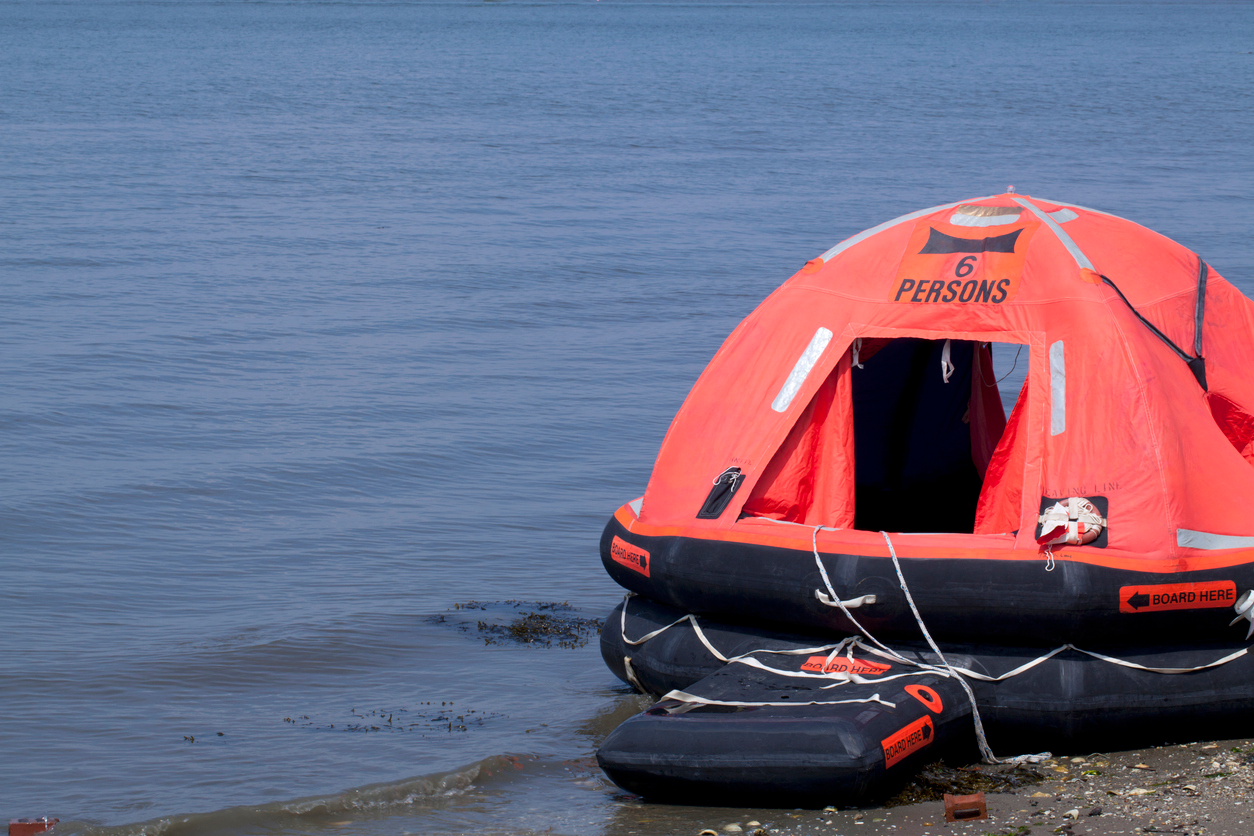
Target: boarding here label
column 1177, row 596
column 628, row 555
column 907, row 741
column 843, row 664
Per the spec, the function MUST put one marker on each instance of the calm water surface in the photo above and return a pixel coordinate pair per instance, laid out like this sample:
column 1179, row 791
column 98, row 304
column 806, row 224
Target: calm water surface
column 318, row 320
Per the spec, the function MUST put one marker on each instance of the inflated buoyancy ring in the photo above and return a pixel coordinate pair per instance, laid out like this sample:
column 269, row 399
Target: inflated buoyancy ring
column 766, row 572
column 1074, row 522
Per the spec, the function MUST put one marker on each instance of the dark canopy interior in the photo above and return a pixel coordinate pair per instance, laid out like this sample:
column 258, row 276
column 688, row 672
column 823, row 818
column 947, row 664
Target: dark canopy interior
column 912, row 439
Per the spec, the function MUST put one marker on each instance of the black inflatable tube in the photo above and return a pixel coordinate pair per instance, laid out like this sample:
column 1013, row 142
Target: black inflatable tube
column 1012, row 603
column 1072, row 702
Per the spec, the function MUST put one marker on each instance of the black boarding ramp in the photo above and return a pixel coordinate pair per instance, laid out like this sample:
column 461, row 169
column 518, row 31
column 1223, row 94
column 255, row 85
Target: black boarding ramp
column 779, row 738
column 1064, row 700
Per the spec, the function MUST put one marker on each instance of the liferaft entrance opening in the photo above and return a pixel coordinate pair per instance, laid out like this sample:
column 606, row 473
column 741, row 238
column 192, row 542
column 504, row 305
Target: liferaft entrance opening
column 905, row 435
column 912, row 437
column 928, row 416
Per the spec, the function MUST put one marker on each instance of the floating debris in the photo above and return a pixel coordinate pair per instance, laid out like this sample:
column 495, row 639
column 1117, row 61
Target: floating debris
column 435, row 720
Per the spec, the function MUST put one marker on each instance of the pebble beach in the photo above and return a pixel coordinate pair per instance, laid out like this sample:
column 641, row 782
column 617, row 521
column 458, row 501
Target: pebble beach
column 1188, row 789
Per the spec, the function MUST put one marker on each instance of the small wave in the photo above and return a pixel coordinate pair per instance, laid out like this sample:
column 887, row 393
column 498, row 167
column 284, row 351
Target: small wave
column 378, row 799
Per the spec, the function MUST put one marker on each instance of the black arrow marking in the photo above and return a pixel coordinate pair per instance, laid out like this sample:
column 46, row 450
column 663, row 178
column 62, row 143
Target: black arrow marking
column 927, row 731
column 1138, row 600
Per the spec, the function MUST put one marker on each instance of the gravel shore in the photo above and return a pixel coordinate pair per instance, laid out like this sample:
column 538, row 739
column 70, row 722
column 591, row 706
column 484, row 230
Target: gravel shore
column 1196, row 788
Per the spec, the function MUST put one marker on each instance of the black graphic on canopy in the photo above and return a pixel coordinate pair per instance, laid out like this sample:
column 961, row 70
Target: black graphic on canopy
column 940, row 243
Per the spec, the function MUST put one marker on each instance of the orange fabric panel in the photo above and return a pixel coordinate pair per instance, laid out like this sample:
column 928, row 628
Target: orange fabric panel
column 870, row 347
column 810, row 480
column 727, row 419
column 987, row 415
column 1228, row 358
column 1138, row 428
column 1115, row 442
column 1236, row 423
column 1147, row 266
column 998, row 509
column 953, row 275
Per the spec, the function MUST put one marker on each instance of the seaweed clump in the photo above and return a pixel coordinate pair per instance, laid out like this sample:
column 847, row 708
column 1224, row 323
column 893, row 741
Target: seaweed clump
column 937, row 779
column 545, row 629
column 535, row 623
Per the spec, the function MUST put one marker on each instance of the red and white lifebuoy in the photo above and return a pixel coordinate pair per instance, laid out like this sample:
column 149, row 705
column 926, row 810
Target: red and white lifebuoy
column 1074, row 522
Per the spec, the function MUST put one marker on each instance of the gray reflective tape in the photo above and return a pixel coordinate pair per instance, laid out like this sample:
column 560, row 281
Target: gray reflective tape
column 636, row 504
column 1187, row 539
column 1083, row 209
column 959, row 219
column 1080, row 258
column 801, row 370
column 1057, row 389
column 1063, row 215
column 865, row 234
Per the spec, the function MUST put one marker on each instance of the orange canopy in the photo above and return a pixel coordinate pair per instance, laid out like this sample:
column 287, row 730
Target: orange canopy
column 1109, row 406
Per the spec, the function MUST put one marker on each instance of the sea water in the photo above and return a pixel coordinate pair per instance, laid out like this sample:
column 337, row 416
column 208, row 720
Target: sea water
column 330, row 329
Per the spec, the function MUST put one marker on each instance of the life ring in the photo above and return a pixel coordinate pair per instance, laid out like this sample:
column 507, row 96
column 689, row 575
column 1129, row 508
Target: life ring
column 1073, row 522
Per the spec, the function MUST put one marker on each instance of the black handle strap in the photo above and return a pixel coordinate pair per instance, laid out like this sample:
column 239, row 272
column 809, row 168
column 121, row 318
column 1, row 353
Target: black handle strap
column 1199, row 310
column 1196, row 364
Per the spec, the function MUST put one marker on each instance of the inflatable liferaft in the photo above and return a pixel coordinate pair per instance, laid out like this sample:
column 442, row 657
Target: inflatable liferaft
column 748, row 715
column 848, row 442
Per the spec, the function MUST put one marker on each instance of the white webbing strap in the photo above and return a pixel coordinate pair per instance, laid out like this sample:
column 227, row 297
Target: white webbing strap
column 981, row 738
column 832, row 650
column 684, row 696
column 841, row 677
column 689, row 618
column 849, row 644
column 631, row 676
column 831, row 591
column 1026, row 666
column 1225, row 660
